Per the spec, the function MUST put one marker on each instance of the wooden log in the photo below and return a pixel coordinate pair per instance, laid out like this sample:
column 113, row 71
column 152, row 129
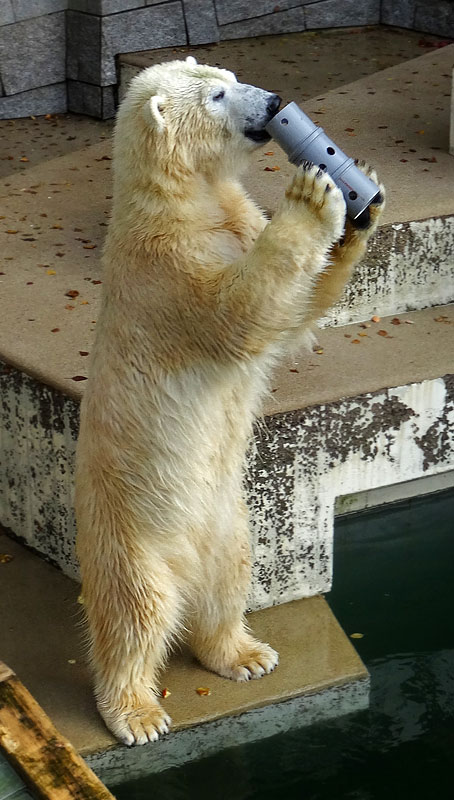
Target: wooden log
column 46, row 761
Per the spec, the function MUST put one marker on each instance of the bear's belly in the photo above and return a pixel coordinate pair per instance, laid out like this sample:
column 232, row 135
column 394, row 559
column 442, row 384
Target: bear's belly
column 177, row 448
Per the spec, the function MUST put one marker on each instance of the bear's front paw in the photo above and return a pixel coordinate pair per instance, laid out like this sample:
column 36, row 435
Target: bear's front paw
column 136, row 724
column 369, row 219
column 313, row 189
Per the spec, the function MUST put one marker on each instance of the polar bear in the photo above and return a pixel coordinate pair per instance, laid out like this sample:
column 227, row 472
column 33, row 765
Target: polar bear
column 201, row 293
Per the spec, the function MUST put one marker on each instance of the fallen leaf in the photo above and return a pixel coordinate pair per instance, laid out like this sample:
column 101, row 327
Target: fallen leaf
column 89, row 246
column 69, row 307
column 395, row 321
column 55, row 330
column 382, row 333
column 11, row 231
column 348, row 335
column 270, row 153
column 375, row 319
column 362, row 334
column 271, row 169
column 355, row 341
column 57, row 227
column 319, row 352
column 50, row 272
column 72, row 293
column 96, row 282
column 293, row 370
column 24, row 158
column 83, row 353
column 5, row 558
column 72, row 661
column 356, row 635
column 409, row 322
column 365, row 325
column 203, row 691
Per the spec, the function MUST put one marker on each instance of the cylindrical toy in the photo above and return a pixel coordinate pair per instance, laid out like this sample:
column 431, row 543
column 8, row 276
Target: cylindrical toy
column 302, row 140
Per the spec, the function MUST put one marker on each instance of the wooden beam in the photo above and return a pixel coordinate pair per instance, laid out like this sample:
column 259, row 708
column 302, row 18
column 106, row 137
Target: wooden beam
column 46, row 761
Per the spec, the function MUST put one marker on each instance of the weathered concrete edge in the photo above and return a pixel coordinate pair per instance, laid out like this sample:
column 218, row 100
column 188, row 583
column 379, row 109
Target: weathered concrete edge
column 302, row 461
column 305, row 459
column 120, row 763
column 408, row 266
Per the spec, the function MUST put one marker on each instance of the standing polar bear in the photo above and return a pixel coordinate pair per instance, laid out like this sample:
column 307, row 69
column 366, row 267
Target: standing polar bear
column 201, row 293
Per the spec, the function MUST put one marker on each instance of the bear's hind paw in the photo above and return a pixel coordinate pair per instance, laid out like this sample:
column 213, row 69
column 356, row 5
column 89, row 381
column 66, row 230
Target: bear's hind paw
column 134, row 726
column 254, row 664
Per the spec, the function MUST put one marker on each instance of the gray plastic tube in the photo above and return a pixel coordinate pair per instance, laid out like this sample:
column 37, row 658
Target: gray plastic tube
column 302, row 140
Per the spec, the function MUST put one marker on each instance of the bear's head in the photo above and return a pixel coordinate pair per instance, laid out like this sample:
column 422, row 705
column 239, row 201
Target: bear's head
column 181, row 118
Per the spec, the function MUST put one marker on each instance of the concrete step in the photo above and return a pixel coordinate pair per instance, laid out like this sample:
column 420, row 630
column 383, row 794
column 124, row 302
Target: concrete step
column 320, row 676
column 373, row 408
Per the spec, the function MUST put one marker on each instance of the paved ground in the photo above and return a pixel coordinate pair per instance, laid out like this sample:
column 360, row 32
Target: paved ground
column 299, row 64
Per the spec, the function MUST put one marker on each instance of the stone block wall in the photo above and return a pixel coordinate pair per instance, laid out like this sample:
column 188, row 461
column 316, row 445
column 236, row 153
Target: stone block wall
column 59, row 54
column 32, row 57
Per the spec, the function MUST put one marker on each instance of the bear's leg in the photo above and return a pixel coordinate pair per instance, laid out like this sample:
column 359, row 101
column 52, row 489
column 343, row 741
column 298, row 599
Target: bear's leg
column 219, row 635
column 133, row 611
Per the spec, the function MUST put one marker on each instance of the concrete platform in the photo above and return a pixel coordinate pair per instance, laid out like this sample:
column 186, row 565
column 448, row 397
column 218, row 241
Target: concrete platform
column 368, row 411
column 320, row 674
column 54, row 220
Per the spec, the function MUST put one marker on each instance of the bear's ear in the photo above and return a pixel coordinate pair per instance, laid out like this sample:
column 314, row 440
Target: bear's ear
column 155, row 108
column 191, row 61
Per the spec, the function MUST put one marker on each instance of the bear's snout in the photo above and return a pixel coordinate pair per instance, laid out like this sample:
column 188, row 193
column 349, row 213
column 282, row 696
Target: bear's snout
column 257, row 107
column 273, row 105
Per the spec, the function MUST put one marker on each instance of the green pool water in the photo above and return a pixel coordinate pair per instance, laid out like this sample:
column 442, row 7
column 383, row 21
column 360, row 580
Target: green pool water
column 394, row 583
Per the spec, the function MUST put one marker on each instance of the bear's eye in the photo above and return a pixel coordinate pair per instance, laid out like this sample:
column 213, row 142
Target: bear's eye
column 219, row 95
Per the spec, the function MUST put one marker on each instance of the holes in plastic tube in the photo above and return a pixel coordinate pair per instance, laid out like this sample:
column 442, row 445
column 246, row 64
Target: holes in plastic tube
column 352, row 195
column 322, row 166
column 284, row 121
column 330, row 151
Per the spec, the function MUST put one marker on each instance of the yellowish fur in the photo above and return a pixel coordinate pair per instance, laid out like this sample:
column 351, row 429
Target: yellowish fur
column 200, row 296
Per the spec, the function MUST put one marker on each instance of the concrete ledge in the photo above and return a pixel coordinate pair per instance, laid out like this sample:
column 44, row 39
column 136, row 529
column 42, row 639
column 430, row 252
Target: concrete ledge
column 320, row 675
column 368, row 412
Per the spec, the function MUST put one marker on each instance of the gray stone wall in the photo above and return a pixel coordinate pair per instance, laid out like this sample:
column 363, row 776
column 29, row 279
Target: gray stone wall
column 32, row 57
column 59, row 54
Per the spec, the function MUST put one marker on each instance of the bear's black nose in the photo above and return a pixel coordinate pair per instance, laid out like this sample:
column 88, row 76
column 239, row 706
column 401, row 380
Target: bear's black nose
column 273, row 104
